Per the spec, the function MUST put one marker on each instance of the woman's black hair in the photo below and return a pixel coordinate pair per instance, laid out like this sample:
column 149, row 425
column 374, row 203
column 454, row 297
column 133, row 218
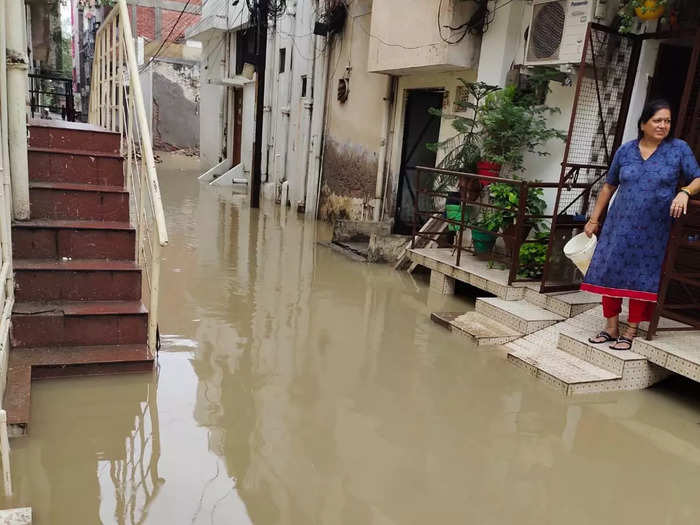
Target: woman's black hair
column 650, row 110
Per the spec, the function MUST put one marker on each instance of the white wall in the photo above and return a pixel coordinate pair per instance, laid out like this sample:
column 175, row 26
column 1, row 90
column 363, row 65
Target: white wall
column 647, row 66
column 211, row 101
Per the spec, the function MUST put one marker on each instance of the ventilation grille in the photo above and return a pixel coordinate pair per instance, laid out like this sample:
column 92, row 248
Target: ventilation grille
column 546, row 31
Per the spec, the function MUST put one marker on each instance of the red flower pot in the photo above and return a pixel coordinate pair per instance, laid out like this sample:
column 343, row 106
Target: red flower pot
column 490, row 169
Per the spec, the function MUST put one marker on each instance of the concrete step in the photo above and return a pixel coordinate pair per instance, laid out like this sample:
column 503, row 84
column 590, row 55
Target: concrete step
column 67, row 201
column 79, row 323
column 565, row 304
column 520, row 315
column 62, row 135
column 56, row 239
column 560, row 370
column 481, row 329
column 51, row 165
column 77, row 280
column 26, row 364
column 678, row 352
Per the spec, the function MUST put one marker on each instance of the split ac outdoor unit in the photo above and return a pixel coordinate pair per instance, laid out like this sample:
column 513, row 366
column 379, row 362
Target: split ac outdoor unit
column 557, row 31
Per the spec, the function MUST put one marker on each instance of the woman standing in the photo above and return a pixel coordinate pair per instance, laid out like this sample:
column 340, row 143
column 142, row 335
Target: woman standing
column 644, row 175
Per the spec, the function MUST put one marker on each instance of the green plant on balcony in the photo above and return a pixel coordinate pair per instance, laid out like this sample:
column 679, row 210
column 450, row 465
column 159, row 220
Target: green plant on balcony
column 533, row 256
column 461, row 152
column 511, row 124
column 640, row 10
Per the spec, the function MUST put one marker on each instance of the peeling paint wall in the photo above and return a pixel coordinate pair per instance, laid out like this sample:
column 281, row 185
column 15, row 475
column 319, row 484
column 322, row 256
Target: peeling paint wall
column 175, row 106
column 349, row 178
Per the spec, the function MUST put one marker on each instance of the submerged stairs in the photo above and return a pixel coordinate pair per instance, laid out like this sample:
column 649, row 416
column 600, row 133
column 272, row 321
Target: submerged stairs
column 78, row 308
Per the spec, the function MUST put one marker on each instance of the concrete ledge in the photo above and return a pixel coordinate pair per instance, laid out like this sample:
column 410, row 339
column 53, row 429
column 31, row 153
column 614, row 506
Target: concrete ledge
column 478, row 328
column 19, row 516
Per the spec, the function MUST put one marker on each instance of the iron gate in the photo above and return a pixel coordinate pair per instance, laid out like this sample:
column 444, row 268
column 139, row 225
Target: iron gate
column 601, row 102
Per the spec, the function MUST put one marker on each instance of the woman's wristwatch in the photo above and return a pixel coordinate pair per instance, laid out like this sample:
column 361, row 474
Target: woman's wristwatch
column 686, row 190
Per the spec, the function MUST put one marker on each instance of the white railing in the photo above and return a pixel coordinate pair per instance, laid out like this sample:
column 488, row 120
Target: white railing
column 7, row 294
column 116, row 103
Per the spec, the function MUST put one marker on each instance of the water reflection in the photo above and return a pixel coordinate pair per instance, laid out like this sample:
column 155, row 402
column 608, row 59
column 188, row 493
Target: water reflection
column 297, row 387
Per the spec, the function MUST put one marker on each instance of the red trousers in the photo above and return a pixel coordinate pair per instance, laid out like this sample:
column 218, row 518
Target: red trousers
column 639, row 310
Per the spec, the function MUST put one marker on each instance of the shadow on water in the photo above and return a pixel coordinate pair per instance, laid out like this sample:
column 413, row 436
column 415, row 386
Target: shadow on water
column 298, row 387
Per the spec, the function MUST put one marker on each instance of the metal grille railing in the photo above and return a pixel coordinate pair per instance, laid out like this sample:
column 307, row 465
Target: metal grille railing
column 116, row 103
column 51, row 96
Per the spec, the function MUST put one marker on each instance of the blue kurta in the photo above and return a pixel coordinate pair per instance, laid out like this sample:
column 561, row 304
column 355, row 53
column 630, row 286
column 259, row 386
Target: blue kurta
column 630, row 252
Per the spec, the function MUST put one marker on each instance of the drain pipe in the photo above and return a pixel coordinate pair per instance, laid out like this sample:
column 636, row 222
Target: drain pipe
column 318, row 121
column 267, row 105
column 308, row 118
column 383, row 146
column 17, row 67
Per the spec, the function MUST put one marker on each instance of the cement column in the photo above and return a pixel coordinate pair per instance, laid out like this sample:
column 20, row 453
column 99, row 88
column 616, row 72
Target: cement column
column 441, row 283
column 17, row 67
column 158, row 22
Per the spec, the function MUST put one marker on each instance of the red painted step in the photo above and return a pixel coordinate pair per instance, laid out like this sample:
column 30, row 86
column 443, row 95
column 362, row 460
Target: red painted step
column 65, row 201
column 26, row 364
column 73, row 136
column 79, row 323
column 54, row 239
column 76, row 280
column 48, row 165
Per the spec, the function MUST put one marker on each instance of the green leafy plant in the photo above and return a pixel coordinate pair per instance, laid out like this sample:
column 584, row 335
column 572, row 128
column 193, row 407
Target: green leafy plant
column 628, row 12
column 511, row 124
column 506, row 196
column 533, row 256
column 461, row 152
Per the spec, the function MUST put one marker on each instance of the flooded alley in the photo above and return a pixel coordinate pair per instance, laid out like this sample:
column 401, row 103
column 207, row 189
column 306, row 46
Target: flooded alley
column 295, row 386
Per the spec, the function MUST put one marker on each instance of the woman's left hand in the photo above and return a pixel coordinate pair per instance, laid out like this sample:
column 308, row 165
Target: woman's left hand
column 679, row 206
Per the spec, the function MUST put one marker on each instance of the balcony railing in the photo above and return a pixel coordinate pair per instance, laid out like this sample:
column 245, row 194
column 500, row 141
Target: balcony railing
column 679, row 289
column 431, row 199
column 116, row 103
column 51, row 96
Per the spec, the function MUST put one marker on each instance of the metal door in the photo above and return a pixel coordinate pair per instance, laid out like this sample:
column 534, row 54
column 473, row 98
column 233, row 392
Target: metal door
column 601, row 102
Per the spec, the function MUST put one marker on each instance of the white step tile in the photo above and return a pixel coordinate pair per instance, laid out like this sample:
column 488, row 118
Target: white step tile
column 565, row 372
column 575, row 341
column 521, row 315
column 481, row 329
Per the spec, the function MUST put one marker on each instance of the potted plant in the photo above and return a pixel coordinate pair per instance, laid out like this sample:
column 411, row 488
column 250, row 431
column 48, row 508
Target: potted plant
column 462, row 151
column 644, row 10
column 511, row 123
column 483, row 241
column 506, row 196
column 533, row 256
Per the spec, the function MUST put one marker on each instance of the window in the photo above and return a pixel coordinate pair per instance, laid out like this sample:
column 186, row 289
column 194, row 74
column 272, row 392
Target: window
column 283, row 59
column 304, row 81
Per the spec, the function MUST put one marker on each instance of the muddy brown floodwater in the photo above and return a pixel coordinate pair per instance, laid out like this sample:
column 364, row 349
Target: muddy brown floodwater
column 298, row 387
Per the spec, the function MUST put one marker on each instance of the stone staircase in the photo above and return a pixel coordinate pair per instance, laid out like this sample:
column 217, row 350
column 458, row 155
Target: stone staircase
column 78, row 306
column 547, row 335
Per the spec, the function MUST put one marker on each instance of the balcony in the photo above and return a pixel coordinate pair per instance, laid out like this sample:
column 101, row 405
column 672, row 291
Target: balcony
column 425, row 44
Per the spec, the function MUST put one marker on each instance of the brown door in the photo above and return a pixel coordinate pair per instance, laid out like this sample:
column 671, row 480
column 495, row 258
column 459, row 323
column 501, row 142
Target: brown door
column 601, row 102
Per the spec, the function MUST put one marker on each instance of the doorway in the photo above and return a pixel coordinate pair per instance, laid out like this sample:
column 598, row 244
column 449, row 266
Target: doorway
column 420, row 128
column 672, row 66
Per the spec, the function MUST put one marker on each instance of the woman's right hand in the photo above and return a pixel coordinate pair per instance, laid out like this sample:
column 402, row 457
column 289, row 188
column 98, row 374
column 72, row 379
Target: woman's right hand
column 591, row 228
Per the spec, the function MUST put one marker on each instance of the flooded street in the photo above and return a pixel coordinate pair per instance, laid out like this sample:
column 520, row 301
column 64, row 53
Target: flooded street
column 297, row 387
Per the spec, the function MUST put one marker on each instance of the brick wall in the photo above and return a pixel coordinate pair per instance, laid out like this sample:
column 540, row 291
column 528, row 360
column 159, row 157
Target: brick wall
column 146, row 21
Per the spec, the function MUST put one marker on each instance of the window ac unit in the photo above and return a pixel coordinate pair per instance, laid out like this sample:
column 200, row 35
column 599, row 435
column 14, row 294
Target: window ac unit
column 557, row 31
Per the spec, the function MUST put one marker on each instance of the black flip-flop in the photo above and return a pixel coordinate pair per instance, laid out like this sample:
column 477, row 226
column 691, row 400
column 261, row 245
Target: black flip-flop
column 604, row 334
column 622, row 339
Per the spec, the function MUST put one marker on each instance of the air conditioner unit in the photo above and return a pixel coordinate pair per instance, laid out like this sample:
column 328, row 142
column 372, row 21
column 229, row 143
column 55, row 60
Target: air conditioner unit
column 557, row 31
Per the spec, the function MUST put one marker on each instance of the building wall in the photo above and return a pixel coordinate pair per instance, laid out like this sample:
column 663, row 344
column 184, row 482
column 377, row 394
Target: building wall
column 211, row 102
column 175, row 105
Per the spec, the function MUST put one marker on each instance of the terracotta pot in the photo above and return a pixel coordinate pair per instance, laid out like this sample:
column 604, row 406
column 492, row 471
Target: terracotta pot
column 490, row 169
column 652, row 10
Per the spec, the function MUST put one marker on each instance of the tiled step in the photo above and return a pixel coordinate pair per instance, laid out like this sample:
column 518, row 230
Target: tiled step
column 79, row 323
column 521, row 315
column 65, row 201
column 50, row 165
column 76, row 280
column 675, row 351
column 575, row 342
column 39, row 363
column 565, row 372
column 72, row 136
column 481, row 329
column 55, row 239
column 565, row 304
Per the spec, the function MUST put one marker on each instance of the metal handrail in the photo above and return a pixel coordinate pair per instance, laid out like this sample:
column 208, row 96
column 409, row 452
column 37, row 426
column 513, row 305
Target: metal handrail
column 116, row 104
